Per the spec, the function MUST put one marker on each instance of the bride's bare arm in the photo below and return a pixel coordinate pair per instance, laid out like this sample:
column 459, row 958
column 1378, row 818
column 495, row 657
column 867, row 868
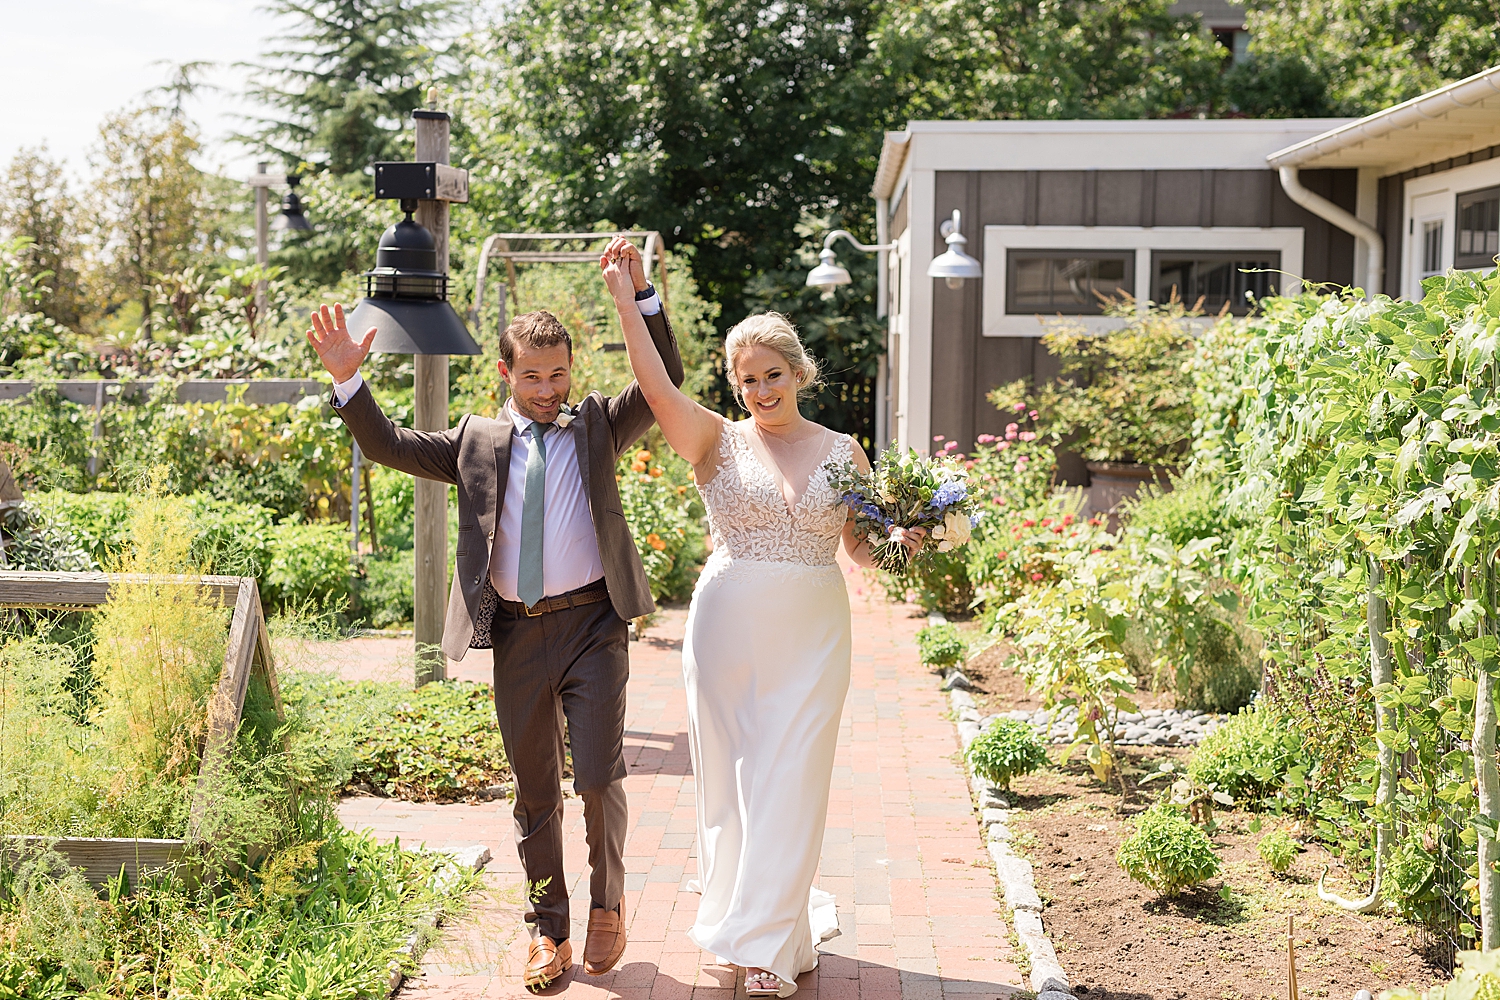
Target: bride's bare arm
column 859, row 548
column 691, row 430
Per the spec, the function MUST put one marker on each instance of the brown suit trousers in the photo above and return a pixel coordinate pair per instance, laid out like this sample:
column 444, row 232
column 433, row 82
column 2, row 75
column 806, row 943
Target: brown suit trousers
column 564, row 666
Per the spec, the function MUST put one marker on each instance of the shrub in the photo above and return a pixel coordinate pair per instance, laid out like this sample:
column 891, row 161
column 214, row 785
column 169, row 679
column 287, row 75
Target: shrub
column 1121, row 397
column 1278, row 850
column 1220, row 677
column 1189, row 508
column 1248, row 757
column 939, row 581
column 665, row 520
column 940, row 645
column 437, row 743
column 384, row 594
column 1167, row 853
column 1411, row 883
column 310, row 566
column 1007, row 748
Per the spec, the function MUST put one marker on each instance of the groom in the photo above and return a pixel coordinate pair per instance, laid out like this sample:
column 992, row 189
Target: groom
column 547, row 576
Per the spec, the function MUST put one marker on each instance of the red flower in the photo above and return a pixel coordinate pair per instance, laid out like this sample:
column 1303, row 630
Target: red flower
column 1028, row 523
column 1067, row 519
column 1057, row 529
column 1001, row 555
column 1035, row 577
column 1046, row 522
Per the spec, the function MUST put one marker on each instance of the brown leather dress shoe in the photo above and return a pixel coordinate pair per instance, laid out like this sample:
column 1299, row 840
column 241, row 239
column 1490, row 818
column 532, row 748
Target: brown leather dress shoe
column 606, row 941
column 546, row 962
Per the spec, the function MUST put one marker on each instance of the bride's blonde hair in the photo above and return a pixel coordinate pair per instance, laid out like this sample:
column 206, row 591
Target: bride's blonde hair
column 773, row 330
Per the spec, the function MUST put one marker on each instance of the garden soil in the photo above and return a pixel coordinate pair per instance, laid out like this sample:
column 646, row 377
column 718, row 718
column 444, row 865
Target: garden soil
column 1117, row 941
column 1120, row 941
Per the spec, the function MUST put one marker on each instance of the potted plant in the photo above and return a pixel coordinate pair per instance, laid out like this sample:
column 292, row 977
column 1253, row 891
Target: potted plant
column 1122, row 399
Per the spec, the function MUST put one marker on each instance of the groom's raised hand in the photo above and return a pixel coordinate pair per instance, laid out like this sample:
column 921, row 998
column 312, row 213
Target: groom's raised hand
column 340, row 353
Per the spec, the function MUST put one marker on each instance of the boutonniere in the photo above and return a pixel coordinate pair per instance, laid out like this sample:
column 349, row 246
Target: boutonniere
column 565, row 415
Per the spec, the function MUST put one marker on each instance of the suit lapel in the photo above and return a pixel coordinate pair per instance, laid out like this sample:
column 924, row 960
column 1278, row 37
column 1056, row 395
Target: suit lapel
column 580, row 429
column 504, row 427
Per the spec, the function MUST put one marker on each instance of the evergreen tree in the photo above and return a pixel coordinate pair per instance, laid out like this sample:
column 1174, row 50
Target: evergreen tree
column 35, row 203
column 344, row 79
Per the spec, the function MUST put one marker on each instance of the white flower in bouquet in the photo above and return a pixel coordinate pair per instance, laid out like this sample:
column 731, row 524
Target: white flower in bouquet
column 954, row 532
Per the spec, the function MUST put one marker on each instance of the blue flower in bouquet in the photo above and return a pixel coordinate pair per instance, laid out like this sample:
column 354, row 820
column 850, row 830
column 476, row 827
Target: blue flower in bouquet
column 949, row 494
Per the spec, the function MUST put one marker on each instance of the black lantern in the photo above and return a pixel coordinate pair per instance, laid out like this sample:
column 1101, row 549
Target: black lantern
column 406, row 296
column 291, row 217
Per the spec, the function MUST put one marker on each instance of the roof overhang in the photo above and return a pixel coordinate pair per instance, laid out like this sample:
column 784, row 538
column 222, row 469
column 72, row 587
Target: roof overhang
column 1451, row 121
column 892, row 159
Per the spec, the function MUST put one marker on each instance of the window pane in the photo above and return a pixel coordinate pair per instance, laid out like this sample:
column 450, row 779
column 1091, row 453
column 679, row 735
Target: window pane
column 1432, row 248
column 1071, row 283
column 1478, row 228
column 1215, row 278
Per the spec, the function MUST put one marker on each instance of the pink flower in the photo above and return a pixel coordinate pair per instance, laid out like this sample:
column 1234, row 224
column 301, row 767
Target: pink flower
column 1027, row 435
column 937, row 437
column 1036, row 577
column 1032, row 414
column 1023, row 460
column 1003, row 445
column 1021, row 465
column 950, row 446
column 1019, row 407
column 986, row 438
column 1011, row 430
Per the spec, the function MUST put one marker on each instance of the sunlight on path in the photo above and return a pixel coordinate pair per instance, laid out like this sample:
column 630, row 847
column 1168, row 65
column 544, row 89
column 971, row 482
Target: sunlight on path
column 902, row 851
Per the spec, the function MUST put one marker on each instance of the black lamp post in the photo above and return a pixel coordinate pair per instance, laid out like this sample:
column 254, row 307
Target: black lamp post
column 406, row 295
column 291, row 218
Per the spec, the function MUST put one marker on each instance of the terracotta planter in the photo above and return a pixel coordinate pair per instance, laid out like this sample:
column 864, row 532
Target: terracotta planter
column 1111, row 483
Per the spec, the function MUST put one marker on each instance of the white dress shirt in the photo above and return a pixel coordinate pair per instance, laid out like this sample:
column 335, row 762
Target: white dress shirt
column 570, row 549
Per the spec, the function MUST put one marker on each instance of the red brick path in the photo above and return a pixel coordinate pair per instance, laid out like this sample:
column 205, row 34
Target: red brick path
column 902, row 852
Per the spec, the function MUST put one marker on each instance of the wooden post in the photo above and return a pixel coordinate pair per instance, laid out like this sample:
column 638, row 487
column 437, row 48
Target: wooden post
column 1291, row 961
column 431, row 390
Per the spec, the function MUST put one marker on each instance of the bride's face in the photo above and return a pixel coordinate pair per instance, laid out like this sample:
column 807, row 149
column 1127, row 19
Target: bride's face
column 768, row 385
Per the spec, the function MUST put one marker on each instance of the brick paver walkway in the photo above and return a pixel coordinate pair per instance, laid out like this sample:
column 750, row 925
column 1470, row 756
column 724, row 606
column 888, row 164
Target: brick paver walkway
column 902, row 852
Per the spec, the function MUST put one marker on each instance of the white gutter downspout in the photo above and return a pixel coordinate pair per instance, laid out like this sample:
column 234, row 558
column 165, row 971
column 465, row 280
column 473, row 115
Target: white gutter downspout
column 1329, row 212
column 882, row 294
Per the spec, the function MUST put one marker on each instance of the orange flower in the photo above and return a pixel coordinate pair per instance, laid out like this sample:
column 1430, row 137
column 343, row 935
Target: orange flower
column 643, row 455
column 681, row 490
column 655, row 471
column 637, row 466
column 654, row 540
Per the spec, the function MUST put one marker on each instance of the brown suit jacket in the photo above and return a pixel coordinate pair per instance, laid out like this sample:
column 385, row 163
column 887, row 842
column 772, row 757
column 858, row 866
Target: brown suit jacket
column 475, row 456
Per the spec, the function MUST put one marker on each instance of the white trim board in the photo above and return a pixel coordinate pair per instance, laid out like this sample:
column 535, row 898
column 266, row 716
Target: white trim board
column 1434, row 197
column 997, row 322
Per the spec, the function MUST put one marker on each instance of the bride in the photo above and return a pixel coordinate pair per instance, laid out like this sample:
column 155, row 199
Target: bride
column 766, row 655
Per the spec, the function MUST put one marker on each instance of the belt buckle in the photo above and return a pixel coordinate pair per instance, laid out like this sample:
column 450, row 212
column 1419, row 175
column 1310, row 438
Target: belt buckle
column 542, row 604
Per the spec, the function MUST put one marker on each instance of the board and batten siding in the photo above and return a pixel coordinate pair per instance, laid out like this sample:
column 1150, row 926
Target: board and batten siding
column 966, row 365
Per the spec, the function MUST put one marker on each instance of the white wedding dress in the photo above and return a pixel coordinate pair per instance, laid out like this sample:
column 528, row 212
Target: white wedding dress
column 766, row 664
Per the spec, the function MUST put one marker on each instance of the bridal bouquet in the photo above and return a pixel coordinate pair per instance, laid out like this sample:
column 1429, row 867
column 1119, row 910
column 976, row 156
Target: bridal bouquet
column 907, row 490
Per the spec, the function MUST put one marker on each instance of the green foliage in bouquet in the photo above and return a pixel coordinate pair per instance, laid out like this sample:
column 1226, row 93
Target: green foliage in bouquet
column 1167, row 853
column 1006, row 749
column 940, row 645
column 1121, row 397
column 907, row 490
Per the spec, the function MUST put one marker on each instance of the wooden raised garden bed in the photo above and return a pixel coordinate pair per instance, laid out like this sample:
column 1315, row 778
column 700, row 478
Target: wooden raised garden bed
column 249, row 651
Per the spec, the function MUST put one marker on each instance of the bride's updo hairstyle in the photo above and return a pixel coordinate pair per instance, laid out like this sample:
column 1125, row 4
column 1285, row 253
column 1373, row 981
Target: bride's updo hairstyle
column 773, row 330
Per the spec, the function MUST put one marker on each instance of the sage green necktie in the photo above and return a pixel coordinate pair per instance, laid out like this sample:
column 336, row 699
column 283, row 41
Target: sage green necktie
column 529, row 585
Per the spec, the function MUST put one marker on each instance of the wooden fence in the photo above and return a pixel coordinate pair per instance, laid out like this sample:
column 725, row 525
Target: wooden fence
column 248, row 651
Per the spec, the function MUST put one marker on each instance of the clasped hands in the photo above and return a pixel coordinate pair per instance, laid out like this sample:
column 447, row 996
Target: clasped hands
column 624, row 271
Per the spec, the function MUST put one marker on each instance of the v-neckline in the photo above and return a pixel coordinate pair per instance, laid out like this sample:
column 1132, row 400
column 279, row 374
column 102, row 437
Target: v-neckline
column 769, row 466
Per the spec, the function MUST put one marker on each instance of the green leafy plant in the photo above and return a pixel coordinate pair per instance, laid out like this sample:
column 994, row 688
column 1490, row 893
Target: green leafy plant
column 665, row 519
column 1251, row 757
column 940, row 645
column 1278, row 850
column 1006, row 749
column 437, row 743
column 1167, row 853
column 1120, row 397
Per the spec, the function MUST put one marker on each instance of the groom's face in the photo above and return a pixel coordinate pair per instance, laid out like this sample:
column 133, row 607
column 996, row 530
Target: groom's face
column 539, row 380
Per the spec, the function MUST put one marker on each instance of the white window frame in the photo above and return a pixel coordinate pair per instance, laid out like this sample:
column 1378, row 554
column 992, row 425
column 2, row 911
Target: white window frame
column 999, row 240
column 1448, row 185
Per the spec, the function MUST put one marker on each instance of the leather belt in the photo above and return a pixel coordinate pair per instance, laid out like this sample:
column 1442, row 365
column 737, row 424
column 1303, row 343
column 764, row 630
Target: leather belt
column 591, row 593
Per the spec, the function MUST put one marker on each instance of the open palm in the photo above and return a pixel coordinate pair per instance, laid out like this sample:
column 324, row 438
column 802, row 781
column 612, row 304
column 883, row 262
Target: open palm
column 340, row 353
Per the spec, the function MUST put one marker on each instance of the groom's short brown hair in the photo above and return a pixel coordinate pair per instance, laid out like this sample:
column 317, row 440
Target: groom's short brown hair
column 536, row 330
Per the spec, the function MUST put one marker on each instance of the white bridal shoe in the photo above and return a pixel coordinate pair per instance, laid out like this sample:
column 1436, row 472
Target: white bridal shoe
column 767, row 984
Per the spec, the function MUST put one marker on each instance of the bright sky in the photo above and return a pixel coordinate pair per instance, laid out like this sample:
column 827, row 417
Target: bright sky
column 81, row 59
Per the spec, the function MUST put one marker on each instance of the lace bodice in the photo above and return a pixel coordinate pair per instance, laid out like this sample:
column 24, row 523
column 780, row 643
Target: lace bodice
column 749, row 517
